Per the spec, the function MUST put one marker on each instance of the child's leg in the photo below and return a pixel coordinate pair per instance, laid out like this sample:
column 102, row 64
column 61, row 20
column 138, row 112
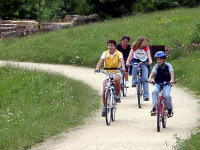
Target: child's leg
column 145, row 78
column 155, row 94
column 134, row 74
column 166, row 95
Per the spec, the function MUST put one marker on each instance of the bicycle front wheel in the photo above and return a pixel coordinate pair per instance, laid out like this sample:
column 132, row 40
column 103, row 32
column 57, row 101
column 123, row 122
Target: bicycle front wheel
column 164, row 118
column 139, row 94
column 108, row 102
column 158, row 115
column 113, row 109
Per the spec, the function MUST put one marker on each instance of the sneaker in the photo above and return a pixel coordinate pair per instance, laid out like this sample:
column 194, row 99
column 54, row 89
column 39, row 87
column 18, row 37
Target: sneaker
column 153, row 112
column 117, row 98
column 127, row 84
column 146, row 99
column 103, row 112
column 134, row 85
column 170, row 113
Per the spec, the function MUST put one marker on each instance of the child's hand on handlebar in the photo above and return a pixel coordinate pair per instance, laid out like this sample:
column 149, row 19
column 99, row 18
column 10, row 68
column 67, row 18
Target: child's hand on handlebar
column 96, row 70
column 150, row 62
column 150, row 81
column 127, row 64
column 124, row 69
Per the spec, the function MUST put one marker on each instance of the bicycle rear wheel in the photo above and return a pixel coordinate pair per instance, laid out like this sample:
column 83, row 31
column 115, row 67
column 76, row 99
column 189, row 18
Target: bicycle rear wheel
column 139, row 93
column 158, row 115
column 108, row 101
column 123, row 86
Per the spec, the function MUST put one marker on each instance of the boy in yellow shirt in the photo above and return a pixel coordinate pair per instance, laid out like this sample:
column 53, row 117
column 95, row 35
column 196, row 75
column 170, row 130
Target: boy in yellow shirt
column 112, row 58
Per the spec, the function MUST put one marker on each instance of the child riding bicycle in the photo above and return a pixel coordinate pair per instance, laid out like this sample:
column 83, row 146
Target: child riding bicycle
column 140, row 53
column 162, row 72
column 111, row 58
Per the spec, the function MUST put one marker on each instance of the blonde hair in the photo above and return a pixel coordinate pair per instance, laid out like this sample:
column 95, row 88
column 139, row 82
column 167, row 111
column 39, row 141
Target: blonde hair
column 138, row 42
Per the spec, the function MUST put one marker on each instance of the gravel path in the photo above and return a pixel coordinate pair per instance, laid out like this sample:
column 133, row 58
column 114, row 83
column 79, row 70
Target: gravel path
column 134, row 128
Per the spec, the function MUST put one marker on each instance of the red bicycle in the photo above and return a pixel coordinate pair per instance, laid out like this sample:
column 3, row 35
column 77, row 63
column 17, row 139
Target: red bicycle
column 161, row 109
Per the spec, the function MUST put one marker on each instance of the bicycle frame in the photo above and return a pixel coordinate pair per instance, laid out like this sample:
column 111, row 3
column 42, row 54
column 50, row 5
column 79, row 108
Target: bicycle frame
column 139, row 82
column 160, row 99
column 161, row 107
column 110, row 104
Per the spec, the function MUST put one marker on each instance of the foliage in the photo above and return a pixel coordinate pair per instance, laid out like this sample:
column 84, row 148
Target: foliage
column 112, row 8
column 191, row 143
column 153, row 5
column 83, row 45
column 18, row 9
column 58, row 9
column 196, row 35
column 189, row 3
column 39, row 105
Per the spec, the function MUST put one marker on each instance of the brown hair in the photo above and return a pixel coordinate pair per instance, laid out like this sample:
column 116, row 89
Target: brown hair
column 112, row 42
column 125, row 37
column 138, row 42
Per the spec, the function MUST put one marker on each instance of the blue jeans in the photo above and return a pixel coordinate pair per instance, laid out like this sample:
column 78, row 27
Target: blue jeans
column 144, row 78
column 166, row 95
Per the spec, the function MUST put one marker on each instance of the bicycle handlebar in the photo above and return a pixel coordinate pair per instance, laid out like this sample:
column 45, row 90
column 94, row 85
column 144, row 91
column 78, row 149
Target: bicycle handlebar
column 139, row 63
column 105, row 72
column 164, row 83
column 112, row 68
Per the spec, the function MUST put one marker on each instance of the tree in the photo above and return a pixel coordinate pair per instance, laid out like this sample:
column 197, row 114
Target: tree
column 18, row 9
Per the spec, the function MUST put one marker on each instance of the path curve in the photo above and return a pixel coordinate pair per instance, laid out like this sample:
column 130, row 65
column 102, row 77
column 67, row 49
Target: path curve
column 134, row 128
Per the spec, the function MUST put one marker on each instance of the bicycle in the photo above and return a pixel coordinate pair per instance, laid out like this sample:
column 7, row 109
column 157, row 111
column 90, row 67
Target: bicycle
column 139, row 83
column 161, row 109
column 110, row 104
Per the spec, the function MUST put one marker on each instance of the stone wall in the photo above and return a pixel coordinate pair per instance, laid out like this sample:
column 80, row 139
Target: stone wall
column 15, row 29
column 9, row 28
column 18, row 29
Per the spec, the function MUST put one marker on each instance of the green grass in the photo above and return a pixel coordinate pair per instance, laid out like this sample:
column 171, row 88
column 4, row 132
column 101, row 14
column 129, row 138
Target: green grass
column 189, row 144
column 35, row 106
column 83, row 45
column 187, row 72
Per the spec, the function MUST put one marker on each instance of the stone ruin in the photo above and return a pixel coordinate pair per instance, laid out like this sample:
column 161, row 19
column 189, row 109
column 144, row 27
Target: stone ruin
column 81, row 20
column 10, row 28
column 16, row 29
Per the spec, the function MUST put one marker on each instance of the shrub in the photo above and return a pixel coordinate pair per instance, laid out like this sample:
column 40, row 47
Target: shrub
column 196, row 35
column 152, row 5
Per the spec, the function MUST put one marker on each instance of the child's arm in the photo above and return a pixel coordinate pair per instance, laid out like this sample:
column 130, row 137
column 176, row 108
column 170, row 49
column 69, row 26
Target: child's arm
column 129, row 57
column 149, row 57
column 151, row 76
column 172, row 77
column 99, row 64
column 123, row 66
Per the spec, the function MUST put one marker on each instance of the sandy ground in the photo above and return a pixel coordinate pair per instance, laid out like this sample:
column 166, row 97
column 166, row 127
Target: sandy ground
column 134, row 128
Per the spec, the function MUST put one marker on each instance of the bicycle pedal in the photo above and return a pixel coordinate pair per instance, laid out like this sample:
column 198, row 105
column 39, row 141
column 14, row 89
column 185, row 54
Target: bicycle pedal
column 153, row 114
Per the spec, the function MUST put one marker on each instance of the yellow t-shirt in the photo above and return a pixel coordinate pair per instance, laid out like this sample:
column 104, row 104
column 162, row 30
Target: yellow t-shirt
column 112, row 61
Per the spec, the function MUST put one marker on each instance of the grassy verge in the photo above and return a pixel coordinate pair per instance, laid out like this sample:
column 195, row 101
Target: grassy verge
column 83, row 45
column 187, row 72
column 35, row 106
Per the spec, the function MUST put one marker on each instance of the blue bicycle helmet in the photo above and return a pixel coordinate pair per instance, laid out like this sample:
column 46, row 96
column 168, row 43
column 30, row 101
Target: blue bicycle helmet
column 160, row 54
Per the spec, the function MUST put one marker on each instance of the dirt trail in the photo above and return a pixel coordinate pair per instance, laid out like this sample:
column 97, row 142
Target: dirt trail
column 134, row 128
